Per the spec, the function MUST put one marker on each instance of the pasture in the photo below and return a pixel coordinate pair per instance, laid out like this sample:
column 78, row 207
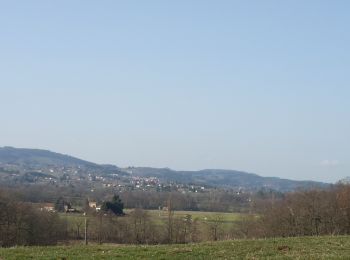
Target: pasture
column 327, row 247
column 160, row 216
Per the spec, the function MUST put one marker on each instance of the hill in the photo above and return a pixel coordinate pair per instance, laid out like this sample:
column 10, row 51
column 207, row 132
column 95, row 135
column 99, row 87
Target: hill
column 226, row 179
column 334, row 247
column 39, row 158
column 33, row 165
column 28, row 166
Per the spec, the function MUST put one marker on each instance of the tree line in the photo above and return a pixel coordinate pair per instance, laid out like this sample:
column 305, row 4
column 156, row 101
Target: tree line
column 301, row 213
column 216, row 200
column 22, row 224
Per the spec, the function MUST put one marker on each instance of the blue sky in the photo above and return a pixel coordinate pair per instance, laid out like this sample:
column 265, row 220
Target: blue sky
column 259, row 86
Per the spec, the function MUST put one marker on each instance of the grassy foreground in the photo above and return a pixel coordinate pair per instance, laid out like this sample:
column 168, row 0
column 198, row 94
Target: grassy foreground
column 337, row 247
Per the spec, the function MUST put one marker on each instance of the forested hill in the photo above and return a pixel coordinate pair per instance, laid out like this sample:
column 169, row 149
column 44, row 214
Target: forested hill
column 226, row 179
column 39, row 158
column 27, row 160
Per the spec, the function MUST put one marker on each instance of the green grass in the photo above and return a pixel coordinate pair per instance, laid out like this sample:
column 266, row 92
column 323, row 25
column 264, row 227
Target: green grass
column 227, row 219
column 337, row 247
column 200, row 215
column 160, row 217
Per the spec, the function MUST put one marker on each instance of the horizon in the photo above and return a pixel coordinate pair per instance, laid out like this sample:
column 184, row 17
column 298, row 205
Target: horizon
column 258, row 86
column 168, row 168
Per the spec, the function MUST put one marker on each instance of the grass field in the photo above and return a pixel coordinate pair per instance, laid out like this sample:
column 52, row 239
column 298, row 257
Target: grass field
column 160, row 216
column 337, row 247
column 200, row 215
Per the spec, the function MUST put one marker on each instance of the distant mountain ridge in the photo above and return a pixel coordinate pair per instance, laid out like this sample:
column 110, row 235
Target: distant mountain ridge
column 40, row 159
column 226, row 179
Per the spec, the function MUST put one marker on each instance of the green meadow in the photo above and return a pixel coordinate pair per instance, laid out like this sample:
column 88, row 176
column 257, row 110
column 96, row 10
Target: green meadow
column 328, row 247
column 161, row 216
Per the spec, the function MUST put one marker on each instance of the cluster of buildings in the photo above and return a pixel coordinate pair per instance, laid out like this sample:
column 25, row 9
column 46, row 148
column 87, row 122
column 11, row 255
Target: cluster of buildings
column 93, row 178
column 50, row 207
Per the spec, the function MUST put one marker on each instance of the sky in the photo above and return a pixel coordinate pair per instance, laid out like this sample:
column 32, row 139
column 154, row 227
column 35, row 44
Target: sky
column 258, row 86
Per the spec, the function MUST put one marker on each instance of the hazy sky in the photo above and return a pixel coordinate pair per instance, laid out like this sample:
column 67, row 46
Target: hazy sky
column 259, row 86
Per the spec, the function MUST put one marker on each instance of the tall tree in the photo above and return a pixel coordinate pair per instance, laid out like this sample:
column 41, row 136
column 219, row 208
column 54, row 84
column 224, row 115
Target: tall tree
column 115, row 206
